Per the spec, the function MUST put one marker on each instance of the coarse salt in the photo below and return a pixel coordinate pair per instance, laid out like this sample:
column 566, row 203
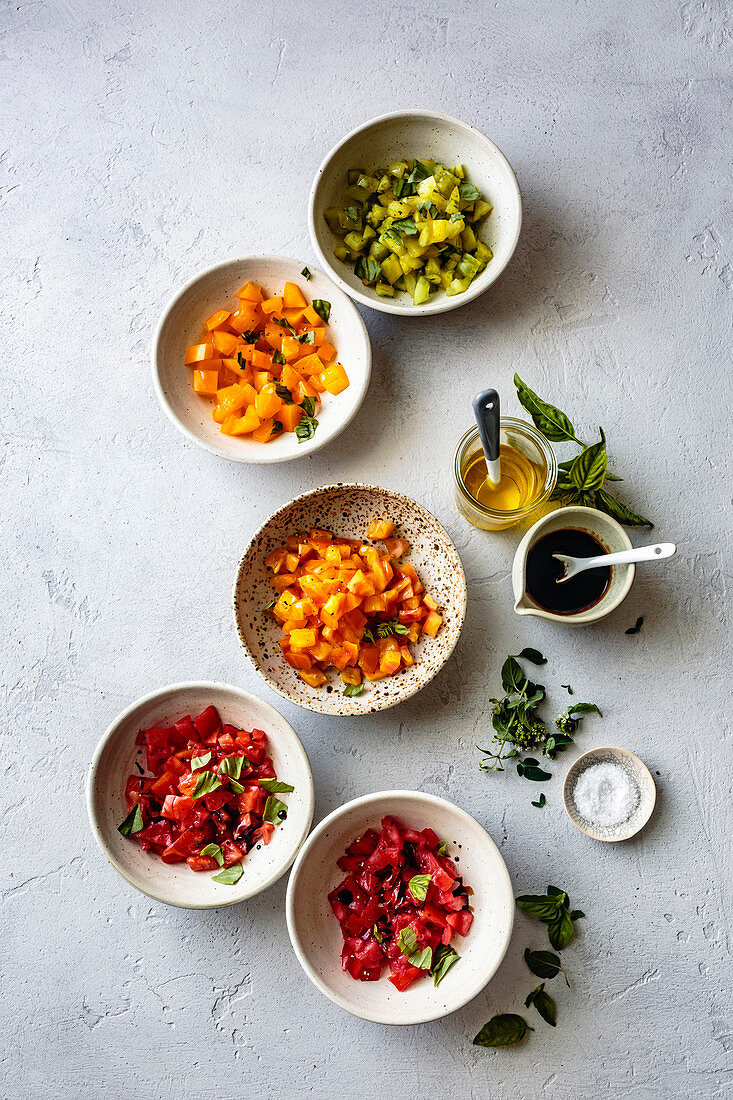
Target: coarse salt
column 605, row 794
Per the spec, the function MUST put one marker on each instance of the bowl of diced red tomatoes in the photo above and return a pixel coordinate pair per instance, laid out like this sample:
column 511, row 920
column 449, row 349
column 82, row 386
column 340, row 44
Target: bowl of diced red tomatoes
column 200, row 795
column 400, row 907
column 261, row 359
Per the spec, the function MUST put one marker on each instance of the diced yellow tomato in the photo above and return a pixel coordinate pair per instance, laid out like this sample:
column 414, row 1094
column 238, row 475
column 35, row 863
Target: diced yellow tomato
column 432, row 624
column 205, row 382
column 335, row 379
column 326, row 352
column 293, row 297
column 380, row 529
column 195, row 353
column 315, row 678
column 272, row 305
column 225, row 342
column 251, row 292
column 217, row 319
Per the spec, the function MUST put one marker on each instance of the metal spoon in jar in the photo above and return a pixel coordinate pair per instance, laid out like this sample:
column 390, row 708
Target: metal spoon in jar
column 623, row 557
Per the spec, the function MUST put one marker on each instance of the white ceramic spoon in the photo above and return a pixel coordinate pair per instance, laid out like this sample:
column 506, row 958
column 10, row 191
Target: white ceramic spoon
column 623, row 557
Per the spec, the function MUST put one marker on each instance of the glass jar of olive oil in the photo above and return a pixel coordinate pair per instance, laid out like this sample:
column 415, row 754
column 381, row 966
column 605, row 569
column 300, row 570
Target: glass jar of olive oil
column 528, row 476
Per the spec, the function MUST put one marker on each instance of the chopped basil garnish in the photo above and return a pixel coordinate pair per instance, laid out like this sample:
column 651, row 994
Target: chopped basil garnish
column 250, row 337
column 133, row 823
column 276, row 427
column 443, row 960
column 235, row 786
column 274, row 810
column 275, row 786
column 230, row 875
column 418, row 886
column 279, row 358
column 322, row 308
column 308, row 405
column 442, row 848
column 377, row 934
column 284, row 394
column 215, row 852
column 384, row 630
column 206, row 782
column 353, row 689
column 283, row 323
column 232, row 765
column 200, row 761
column 422, row 959
column 306, row 273
column 407, row 941
column 306, row 429
column 306, row 338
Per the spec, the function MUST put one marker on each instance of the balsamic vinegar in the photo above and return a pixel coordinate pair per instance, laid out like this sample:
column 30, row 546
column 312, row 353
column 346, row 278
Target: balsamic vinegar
column 544, row 571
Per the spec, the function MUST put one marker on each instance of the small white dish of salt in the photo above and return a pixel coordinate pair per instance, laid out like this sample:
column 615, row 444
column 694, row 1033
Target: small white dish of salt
column 609, row 794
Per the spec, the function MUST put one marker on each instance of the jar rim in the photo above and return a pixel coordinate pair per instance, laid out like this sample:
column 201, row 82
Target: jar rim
column 522, row 427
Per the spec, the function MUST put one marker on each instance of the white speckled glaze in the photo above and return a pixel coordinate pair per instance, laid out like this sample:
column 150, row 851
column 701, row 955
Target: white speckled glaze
column 607, row 531
column 347, row 510
column 182, row 323
column 175, row 883
column 640, row 776
column 411, row 134
column 316, row 935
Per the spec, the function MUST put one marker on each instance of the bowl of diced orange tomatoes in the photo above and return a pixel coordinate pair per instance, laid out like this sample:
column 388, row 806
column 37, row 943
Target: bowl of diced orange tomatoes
column 261, row 360
column 349, row 599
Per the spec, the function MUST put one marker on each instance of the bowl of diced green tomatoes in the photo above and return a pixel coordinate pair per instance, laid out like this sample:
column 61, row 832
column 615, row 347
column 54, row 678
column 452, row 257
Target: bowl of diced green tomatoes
column 415, row 213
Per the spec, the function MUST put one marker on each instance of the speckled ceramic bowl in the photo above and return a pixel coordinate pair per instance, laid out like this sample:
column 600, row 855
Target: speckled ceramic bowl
column 640, row 776
column 183, row 321
column 316, row 935
column 175, row 883
column 348, row 510
column 419, row 134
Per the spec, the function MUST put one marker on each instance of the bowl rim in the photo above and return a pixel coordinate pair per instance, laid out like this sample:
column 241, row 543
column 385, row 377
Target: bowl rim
column 573, row 770
column 599, row 610
column 321, row 490
column 418, row 797
column 93, row 770
column 441, row 305
column 268, row 457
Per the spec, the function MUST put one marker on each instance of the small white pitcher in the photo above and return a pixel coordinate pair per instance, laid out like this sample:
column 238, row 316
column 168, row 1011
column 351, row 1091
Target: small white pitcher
column 611, row 536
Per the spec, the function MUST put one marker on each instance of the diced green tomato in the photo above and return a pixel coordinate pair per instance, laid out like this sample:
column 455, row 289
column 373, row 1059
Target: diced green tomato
column 331, row 214
column 421, row 292
column 458, row 286
column 398, row 168
column 391, row 269
column 384, row 290
column 481, row 209
column 410, row 282
column 378, row 250
column 341, row 253
column 483, row 253
column 352, row 176
column 354, row 241
column 468, row 266
column 468, row 239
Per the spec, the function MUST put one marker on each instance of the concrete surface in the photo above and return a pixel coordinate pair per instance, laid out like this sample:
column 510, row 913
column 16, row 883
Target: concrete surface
column 141, row 142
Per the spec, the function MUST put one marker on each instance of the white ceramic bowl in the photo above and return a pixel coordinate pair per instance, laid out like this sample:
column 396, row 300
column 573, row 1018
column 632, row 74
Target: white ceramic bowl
column 176, row 883
column 348, row 510
column 611, row 536
column 182, row 323
column 411, row 134
column 316, row 935
column 640, row 776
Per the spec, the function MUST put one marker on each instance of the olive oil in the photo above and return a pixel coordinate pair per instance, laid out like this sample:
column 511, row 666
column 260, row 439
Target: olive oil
column 521, row 481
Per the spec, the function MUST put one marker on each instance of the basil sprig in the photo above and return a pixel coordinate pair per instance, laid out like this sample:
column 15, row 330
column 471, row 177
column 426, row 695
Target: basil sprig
column 552, row 909
column 502, row 1031
column 133, row 823
column 580, row 479
column 515, row 717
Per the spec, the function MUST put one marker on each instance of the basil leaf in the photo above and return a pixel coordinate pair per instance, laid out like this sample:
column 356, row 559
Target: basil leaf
column 533, row 772
column 532, row 655
column 367, row 636
column 468, row 192
column 322, row 308
column 418, row 886
column 232, row 765
column 556, row 892
column 133, row 823
column 541, row 801
column 353, row 689
column 250, row 338
column 419, row 172
column 283, row 323
column 200, row 761
column 215, row 852
column 568, row 688
column 604, row 502
column 393, row 235
column 636, row 627
column 206, row 782
column 560, row 930
column 284, row 394
column 306, row 273
column 512, row 677
column 306, row 428
column 275, row 810
column 588, row 469
column 241, row 360
column 584, row 708
column 384, row 630
column 367, row 270
column 407, row 941
column 502, row 1031
column 551, row 421
column 543, row 908
column 544, row 1004
column 544, row 964
column 377, row 934
column 444, row 957
column 422, row 959
column 306, row 338
column 308, row 405
column 442, row 849
column 576, row 914
column 279, row 358
column 235, row 786
column 230, row 875
column 276, row 427
column 275, row 786
column 406, row 226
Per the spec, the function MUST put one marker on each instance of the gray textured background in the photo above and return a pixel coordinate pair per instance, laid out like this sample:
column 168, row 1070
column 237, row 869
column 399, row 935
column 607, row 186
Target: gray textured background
column 142, row 142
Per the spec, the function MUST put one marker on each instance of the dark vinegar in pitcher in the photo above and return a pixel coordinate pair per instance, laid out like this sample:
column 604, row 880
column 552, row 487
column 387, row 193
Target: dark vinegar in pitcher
column 544, row 571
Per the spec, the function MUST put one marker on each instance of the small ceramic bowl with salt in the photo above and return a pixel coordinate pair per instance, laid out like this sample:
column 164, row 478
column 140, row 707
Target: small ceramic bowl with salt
column 609, row 794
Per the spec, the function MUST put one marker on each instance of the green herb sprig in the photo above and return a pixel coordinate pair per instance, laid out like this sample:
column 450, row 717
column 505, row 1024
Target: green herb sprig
column 515, row 718
column 580, row 479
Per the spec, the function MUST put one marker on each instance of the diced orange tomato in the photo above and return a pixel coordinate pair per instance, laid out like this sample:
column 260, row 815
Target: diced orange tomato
column 225, row 342
column 335, row 379
column 251, row 292
column 217, row 319
column 195, row 353
column 205, row 382
column 344, row 604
